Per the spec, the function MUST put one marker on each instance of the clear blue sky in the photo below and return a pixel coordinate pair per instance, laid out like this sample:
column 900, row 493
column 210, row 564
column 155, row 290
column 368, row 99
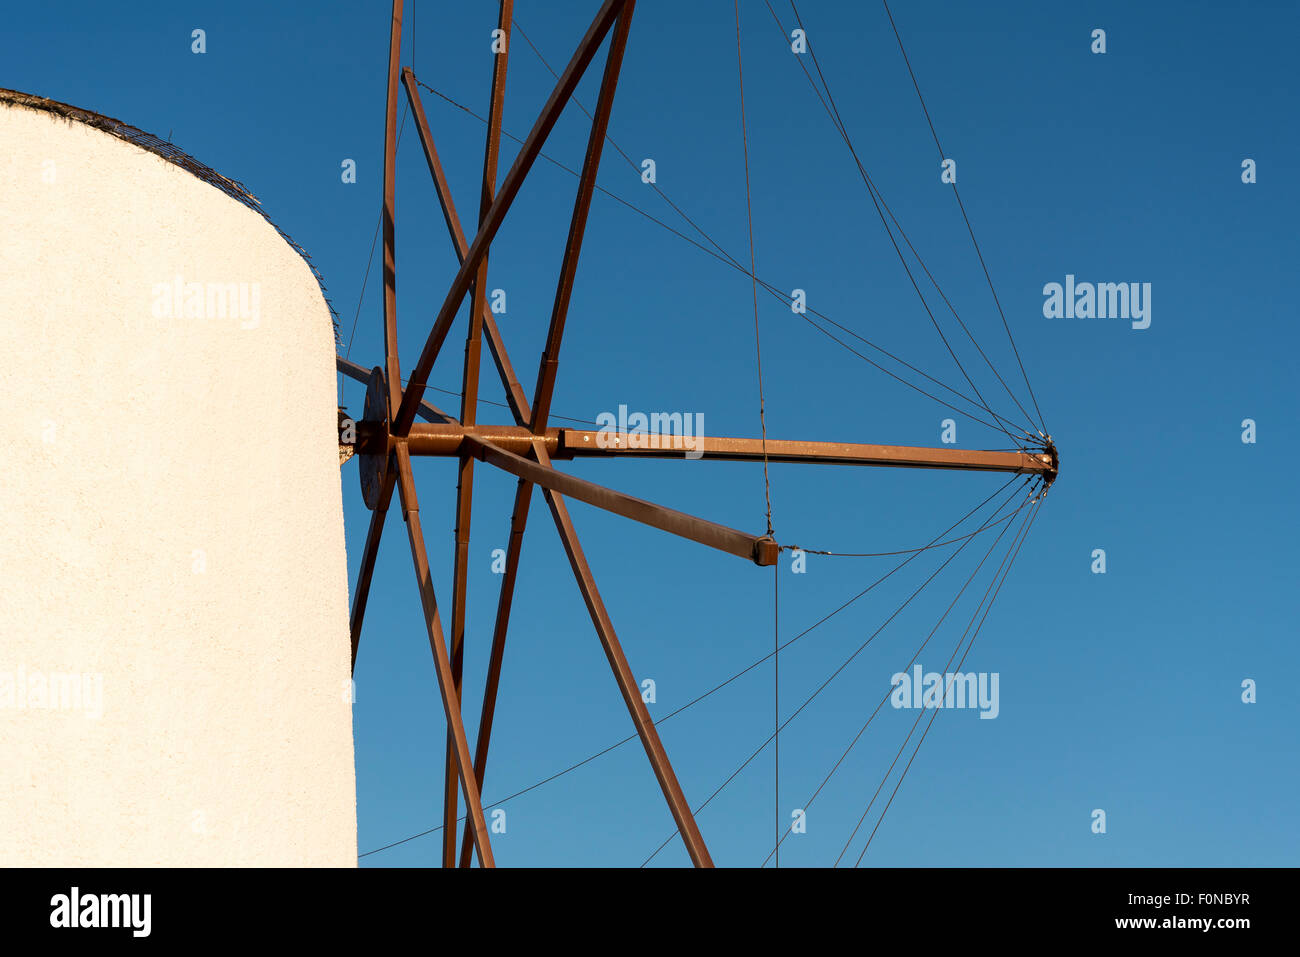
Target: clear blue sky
column 1119, row 691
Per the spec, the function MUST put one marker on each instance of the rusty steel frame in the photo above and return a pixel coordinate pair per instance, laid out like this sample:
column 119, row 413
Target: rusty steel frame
column 391, row 366
column 527, row 448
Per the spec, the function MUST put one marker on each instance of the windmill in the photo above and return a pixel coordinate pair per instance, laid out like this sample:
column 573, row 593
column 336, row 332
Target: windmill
column 388, row 436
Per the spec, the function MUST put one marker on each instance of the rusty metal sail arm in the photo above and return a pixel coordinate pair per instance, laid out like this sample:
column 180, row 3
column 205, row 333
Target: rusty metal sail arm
column 583, row 443
column 361, row 594
column 760, row 549
column 392, row 367
column 370, row 551
column 565, row 444
column 441, row 658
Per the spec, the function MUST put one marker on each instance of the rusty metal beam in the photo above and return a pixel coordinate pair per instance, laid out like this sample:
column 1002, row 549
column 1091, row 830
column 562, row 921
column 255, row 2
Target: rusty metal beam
column 510, row 186
column 468, row 413
column 581, row 443
column 460, row 582
column 491, row 152
column 627, row 683
column 578, row 223
column 759, row 549
column 392, row 367
column 447, row 439
column 367, row 569
column 441, row 659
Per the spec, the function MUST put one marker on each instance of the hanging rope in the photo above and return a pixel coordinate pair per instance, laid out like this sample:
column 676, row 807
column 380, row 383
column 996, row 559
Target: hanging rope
column 753, row 269
column 776, row 708
column 762, row 421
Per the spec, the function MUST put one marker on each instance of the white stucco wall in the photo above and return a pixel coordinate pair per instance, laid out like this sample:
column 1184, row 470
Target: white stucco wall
column 172, row 525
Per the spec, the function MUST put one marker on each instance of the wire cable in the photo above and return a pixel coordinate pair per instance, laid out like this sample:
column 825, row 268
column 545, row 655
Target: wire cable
column 753, row 270
column 878, row 202
column 956, row 648
column 1032, row 515
column 876, row 195
column 722, row 255
column 727, row 258
column 773, row 290
column 942, row 618
column 739, row 674
column 962, row 206
column 822, row 687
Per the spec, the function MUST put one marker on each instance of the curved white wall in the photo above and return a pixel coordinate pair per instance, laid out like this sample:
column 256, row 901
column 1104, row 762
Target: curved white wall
column 172, row 565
